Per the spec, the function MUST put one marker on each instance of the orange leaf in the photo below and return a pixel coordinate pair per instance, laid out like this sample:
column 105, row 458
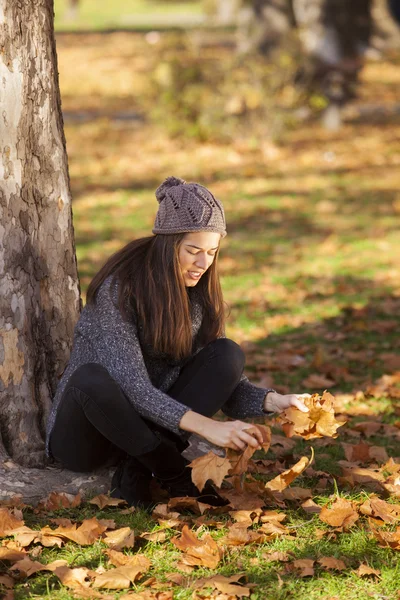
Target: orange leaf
column 204, row 552
column 209, row 466
column 119, row 559
column 84, row 535
column 375, row 507
column 11, row 554
column 55, row 501
column 280, row 482
column 318, row 422
column 341, row 514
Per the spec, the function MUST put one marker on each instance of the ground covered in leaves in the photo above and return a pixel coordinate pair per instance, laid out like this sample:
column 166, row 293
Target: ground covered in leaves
column 310, row 270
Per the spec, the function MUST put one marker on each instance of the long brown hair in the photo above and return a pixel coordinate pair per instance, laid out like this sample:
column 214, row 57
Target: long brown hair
column 152, row 287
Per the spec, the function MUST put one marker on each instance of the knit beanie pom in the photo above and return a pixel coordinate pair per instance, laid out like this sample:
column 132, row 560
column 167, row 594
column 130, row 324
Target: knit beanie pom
column 170, row 182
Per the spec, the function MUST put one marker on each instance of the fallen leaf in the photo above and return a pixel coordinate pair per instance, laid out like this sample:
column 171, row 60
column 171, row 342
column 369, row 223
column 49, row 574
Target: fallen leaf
column 8, row 522
column 276, row 556
column 239, row 535
column 341, row 514
column 364, row 571
column 120, row 538
column 329, row 562
column 154, row 536
column 309, row 506
column 11, row 555
column 28, row 567
column 84, row 535
column 7, row 581
column 102, row 500
column 209, row 466
column 55, row 501
column 119, row 559
column 204, row 552
column 320, row 421
column 187, row 503
column 119, row 578
column 305, row 565
column 389, row 539
column 73, row 578
column 375, row 507
column 225, row 585
column 280, row 482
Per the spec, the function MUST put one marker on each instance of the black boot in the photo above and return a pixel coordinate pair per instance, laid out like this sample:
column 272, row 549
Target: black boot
column 171, row 471
column 131, row 481
column 182, row 485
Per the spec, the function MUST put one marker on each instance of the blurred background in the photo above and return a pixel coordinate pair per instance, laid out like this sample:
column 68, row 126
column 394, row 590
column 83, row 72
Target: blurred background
column 289, row 111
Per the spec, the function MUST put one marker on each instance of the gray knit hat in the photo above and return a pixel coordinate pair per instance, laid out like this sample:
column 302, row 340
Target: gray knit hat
column 186, row 207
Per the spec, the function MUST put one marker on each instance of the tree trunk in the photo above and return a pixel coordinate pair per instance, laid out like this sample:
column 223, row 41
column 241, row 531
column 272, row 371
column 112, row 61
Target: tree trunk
column 39, row 287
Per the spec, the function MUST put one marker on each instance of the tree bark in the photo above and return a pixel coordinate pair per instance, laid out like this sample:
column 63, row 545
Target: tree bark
column 39, row 287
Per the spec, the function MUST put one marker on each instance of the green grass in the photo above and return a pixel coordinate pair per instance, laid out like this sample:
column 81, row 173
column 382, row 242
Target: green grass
column 124, row 14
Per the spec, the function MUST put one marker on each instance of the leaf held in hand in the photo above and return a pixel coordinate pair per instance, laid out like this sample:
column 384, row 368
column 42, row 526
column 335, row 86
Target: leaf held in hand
column 318, row 422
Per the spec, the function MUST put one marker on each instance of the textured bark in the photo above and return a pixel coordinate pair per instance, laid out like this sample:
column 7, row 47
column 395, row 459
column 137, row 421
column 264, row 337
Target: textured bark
column 39, row 288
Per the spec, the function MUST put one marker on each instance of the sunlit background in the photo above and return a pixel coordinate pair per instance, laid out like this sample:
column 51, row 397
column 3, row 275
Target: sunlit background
column 305, row 158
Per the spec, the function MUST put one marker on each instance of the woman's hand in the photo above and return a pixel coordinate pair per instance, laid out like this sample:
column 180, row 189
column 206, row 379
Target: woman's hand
column 233, row 434
column 275, row 402
column 227, row 434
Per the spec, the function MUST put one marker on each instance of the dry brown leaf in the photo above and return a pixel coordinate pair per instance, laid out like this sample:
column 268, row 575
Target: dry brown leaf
column 281, row 482
column 306, row 566
column 11, row 555
column 319, row 422
column 225, row 585
column 375, row 507
column 55, row 501
column 8, row 522
column 187, row 503
column 162, row 511
column 176, row 578
column 119, row 559
column 364, row 570
column 246, row 516
column 84, row 535
column 119, row 578
column 7, row 581
column 28, row 567
column 242, row 500
column 296, row 493
column 148, row 595
column 341, row 514
column 209, row 466
column 389, row 539
column 120, row 538
column 329, row 562
column 239, row 535
column 205, row 551
column 73, row 578
column 240, row 460
column 309, row 506
column 154, row 536
column 276, row 556
column 102, row 500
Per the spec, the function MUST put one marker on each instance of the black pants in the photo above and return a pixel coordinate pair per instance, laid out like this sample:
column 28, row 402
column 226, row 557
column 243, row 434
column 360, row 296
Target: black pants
column 95, row 420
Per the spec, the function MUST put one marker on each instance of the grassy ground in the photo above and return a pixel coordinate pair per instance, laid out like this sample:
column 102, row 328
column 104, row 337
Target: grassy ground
column 310, row 270
column 93, row 15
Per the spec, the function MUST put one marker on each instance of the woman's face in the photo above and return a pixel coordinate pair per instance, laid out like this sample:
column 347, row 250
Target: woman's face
column 196, row 254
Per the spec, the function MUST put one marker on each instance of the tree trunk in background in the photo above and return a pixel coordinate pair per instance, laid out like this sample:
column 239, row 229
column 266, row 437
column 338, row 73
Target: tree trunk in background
column 39, row 287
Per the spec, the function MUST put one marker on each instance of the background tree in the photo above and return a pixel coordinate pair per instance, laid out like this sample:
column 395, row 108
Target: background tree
column 39, row 288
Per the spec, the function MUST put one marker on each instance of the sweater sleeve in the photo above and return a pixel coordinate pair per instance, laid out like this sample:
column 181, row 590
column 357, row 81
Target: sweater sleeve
column 246, row 401
column 117, row 345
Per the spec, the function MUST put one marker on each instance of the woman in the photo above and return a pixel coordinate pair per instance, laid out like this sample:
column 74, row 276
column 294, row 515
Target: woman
column 150, row 363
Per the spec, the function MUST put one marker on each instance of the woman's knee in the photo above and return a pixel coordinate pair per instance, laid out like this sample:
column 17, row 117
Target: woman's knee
column 232, row 353
column 90, row 376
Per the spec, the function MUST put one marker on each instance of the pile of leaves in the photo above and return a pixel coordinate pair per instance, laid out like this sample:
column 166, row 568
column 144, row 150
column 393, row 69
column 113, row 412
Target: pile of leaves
column 201, row 538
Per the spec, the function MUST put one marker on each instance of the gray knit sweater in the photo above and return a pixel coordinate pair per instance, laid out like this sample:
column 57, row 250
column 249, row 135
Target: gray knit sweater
column 103, row 336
